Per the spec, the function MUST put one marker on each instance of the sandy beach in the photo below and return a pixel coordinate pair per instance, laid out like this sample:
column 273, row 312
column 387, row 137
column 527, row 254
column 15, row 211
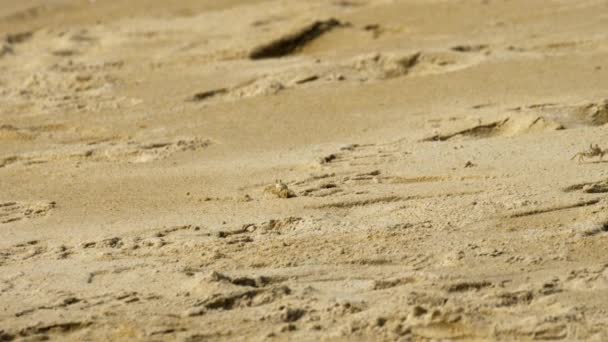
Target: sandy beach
column 323, row 170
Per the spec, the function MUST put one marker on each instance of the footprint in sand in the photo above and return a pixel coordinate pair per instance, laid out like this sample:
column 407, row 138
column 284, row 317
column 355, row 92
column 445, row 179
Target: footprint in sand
column 129, row 151
column 17, row 211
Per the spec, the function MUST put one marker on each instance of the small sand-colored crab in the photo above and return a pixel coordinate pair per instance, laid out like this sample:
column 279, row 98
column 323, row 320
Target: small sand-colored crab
column 280, row 189
column 593, row 151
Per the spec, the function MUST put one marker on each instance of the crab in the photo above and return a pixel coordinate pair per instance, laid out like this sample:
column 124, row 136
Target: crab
column 593, row 151
column 280, row 189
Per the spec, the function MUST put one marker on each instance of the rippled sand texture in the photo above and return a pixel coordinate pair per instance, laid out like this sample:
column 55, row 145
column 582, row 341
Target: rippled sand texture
column 303, row 170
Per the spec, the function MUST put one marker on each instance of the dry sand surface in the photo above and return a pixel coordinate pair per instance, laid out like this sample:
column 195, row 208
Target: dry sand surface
column 303, row 170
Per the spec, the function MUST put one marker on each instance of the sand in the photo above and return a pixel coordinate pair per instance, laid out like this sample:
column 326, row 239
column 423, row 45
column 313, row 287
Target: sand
column 340, row 170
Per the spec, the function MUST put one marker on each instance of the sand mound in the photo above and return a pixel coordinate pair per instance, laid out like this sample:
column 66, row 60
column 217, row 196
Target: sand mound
column 573, row 115
column 508, row 127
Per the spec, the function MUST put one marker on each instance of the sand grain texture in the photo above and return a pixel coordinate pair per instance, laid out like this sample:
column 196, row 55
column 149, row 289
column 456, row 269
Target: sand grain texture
column 393, row 170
